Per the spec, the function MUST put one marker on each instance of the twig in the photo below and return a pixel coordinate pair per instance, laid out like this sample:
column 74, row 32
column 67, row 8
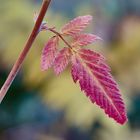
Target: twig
column 18, row 63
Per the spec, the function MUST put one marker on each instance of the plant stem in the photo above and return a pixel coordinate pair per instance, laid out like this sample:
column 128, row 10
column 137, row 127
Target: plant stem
column 58, row 34
column 18, row 63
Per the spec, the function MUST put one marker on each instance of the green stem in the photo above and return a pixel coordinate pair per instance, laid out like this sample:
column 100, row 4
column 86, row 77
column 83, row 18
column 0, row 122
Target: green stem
column 18, row 63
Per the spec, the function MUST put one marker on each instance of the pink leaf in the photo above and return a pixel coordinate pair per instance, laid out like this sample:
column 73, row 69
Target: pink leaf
column 76, row 25
column 61, row 61
column 84, row 39
column 48, row 54
column 95, row 80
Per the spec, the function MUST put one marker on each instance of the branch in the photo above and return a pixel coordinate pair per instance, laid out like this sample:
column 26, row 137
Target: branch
column 18, row 63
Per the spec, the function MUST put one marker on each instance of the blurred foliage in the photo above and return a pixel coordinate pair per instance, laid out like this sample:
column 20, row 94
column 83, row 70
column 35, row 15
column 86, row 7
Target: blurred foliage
column 54, row 108
column 125, row 54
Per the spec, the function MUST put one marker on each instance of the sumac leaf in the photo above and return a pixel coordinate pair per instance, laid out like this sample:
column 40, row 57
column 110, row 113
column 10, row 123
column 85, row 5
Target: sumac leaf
column 61, row 61
column 76, row 25
column 48, row 53
column 93, row 75
column 84, row 39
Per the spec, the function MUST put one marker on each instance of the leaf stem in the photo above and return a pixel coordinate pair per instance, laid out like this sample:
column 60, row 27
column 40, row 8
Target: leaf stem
column 18, row 63
column 58, row 34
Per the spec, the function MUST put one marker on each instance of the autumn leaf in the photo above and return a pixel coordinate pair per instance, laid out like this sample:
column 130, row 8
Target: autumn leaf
column 84, row 39
column 76, row 25
column 88, row 67
column 93, row 75
column 61, row 61
column 48, row 53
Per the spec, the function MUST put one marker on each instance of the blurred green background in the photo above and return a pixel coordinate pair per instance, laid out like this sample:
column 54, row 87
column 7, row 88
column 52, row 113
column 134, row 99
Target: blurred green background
column 41, row 106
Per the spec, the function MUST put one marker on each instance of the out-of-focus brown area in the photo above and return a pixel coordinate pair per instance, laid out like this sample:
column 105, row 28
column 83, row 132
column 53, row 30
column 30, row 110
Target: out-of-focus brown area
column 41, row 106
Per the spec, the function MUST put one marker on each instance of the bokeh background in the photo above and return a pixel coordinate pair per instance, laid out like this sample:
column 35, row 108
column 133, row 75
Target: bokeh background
column 41, row 106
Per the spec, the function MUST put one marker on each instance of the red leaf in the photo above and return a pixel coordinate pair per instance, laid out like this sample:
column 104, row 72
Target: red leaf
column 76, row 25
column 95, row 80
column 84, row 39
column 61, row 61
column 48, row 54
